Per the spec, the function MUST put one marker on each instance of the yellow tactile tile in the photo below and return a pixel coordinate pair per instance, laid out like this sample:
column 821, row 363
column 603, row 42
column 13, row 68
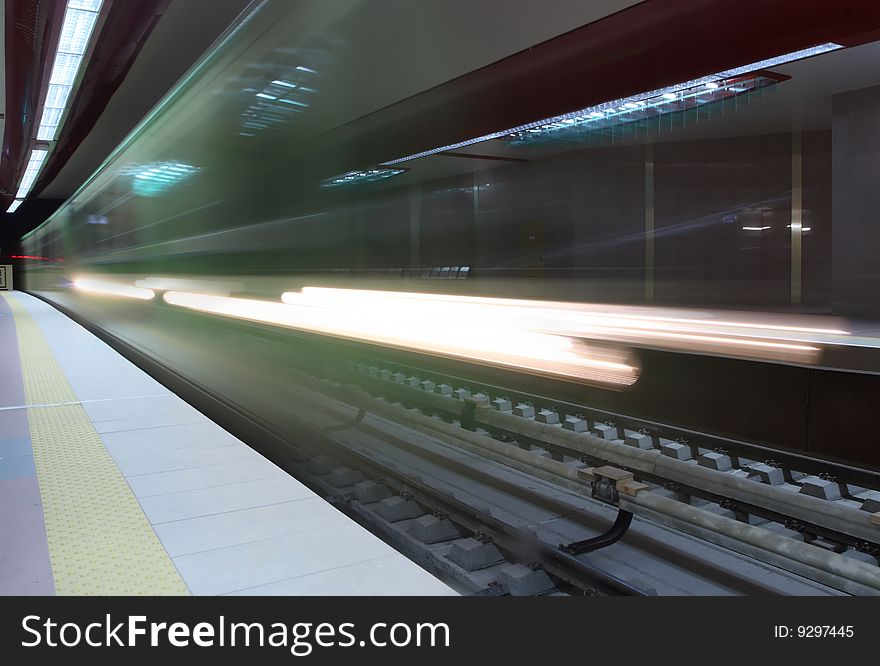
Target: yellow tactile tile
column 100, row 541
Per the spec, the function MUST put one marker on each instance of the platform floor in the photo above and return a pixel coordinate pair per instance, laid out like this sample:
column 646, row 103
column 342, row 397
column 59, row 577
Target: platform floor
column 111, row 484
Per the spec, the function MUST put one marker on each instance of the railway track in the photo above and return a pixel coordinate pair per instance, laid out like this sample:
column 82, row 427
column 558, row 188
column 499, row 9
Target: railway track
column 828, row 505
column 494, row 505
column 819, row 525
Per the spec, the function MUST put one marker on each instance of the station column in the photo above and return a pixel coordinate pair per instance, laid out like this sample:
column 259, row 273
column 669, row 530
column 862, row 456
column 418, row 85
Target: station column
column 855, row 269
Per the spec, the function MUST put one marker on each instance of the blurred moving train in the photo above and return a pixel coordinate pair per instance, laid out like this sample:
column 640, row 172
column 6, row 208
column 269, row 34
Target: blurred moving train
column 573, row 210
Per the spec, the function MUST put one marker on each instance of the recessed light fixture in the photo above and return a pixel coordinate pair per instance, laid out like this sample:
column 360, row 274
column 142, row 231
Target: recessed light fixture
column 628, row 103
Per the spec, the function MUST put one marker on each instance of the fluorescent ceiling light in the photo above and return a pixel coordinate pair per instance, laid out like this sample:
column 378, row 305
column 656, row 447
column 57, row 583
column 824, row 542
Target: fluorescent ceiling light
column 14, row 206
column 756, row 228
column 56, row 96
column 35, row 163
column 46, row 132
column 90, row 5
column 65, row 68
column 52, row 116
column 76, row 32
column 781, row 60
column 580, row 126
column 621, row 103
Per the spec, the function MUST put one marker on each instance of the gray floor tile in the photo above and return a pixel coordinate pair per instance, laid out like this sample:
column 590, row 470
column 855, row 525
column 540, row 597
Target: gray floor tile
column 187, row 436
column 183, row 537
column 15, row 446
column 139, row 413
column 87, row 387
column 150, row 462
column 24, row 558
column 142, row 406
column 17, row 467
column 392, row 575
column 208, row 501
column 14, row 423
column 234, row 568
column 162, row 483
column 11, row 389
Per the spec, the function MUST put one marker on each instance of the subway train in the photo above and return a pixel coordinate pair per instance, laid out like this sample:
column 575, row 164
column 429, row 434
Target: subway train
column 626, row 208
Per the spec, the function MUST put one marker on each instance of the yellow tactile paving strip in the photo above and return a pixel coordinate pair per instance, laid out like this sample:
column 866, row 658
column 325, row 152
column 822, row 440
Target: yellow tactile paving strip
column 100, row 541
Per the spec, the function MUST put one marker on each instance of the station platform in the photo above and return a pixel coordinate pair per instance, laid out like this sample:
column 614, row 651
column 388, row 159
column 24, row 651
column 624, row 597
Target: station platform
column 112, row 485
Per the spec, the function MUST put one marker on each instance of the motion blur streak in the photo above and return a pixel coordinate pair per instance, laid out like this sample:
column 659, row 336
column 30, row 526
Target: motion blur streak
column 471, row 333
column 112, row 289
column 216, row 288
column 740, row 324
column 585, row 321
column 583, row 307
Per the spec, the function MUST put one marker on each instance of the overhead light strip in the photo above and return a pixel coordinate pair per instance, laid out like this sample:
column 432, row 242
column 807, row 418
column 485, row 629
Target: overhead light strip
column 580, row 127
column 361, row 176
column 35, row 163
column 639, row 97
column 14, row 206
column 819, row 49
column 80, row 18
